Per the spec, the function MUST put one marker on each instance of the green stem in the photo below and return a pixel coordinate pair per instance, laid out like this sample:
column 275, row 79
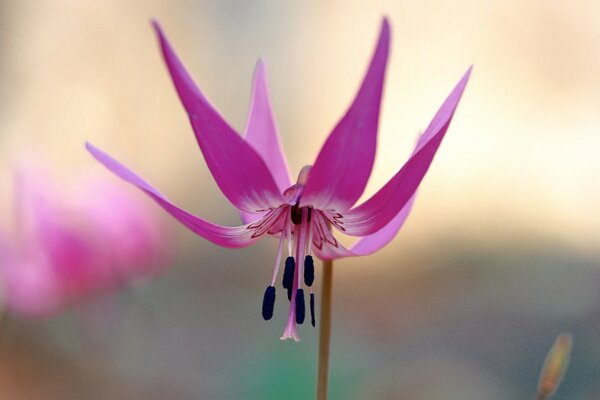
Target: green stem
column 325, row 331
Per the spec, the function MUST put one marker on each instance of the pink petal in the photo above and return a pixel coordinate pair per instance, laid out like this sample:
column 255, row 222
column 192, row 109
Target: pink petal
column 368, row 244
column 30, row 288
column 248, row 218
column 375, row 241
column 232, row 237
column 261, row 132
column 125, row 223
column 238, row 169
column 344, row 164
column 376, row 212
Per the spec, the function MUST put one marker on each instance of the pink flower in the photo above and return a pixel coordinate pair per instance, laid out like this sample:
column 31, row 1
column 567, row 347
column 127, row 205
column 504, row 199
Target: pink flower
column 252, row 173
column 94, row 239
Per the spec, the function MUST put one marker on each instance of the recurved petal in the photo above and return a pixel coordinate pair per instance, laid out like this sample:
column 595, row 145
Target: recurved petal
column 238, row 169
column 377, row 211
column 261, row 131
column 375, row 241
column 368, row 244
column 248, row 218
column 343, row 166
column 232, row 237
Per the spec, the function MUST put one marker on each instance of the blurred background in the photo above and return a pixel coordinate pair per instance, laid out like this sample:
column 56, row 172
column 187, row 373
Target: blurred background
column 499, row 255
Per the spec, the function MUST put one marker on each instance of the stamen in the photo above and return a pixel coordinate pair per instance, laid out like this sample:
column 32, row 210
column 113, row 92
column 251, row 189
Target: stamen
column 277, row 261
column 309, row 271
column 312, row 309
column 268, row 303
column 288, row 276
column 300, row 308
column 289, row 234
column 309, row 243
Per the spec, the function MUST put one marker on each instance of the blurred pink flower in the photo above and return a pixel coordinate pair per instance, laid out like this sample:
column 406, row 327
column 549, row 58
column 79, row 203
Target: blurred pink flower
column 253, row 174
column 66, row 245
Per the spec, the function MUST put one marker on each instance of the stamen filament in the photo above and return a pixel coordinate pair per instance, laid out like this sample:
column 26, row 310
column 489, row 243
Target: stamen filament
column 289, row 231
column 312, row 308
column 310, row 240
column 277, row 261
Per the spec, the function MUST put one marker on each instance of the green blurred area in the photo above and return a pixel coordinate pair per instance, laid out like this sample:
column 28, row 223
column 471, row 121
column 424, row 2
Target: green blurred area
column 469, row 324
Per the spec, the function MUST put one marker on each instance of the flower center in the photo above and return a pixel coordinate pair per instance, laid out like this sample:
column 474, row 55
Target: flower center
column 297, row 231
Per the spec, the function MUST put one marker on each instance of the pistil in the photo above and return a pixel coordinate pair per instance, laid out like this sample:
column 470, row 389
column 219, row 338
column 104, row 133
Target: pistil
column 297, row 309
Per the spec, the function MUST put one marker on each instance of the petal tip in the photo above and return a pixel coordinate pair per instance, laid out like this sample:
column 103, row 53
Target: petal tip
column 162, row 39
column 261, row 64
column 156, row 26
column 384, row 32
column 260, row 70
column 385, row 25
column 461, row 85
column 98, row 154
column 382, row 49
column 91, row 148
column 467, row 74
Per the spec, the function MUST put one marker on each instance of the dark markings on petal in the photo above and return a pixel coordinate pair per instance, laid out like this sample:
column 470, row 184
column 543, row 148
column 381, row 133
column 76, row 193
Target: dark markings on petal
column 324, row 230
column 258, row 223
column 317, row 239
column 335, row 219
column 300, row 307
column 309, row 271
column 277, row 226
column 319, row 230
column 308, row 218
column 268, row 303
column 312, row 309
column 266, row 223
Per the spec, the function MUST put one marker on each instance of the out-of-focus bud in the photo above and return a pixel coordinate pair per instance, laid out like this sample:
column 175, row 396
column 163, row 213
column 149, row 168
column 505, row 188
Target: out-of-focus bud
column 74, row 241
column 555, row 366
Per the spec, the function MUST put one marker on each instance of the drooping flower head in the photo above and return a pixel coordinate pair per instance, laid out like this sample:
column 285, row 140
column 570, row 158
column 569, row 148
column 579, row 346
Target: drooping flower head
column 69, row 243
column 252, row 173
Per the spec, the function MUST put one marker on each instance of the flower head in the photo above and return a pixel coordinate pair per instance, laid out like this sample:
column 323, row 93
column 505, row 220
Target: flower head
column 555, row 366
column 63, row 248
column 252, row 173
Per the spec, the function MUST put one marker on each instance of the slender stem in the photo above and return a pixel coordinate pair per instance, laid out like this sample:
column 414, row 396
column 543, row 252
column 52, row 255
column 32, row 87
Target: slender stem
column 3, row 327
column 325, row 331
column 540, row 396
